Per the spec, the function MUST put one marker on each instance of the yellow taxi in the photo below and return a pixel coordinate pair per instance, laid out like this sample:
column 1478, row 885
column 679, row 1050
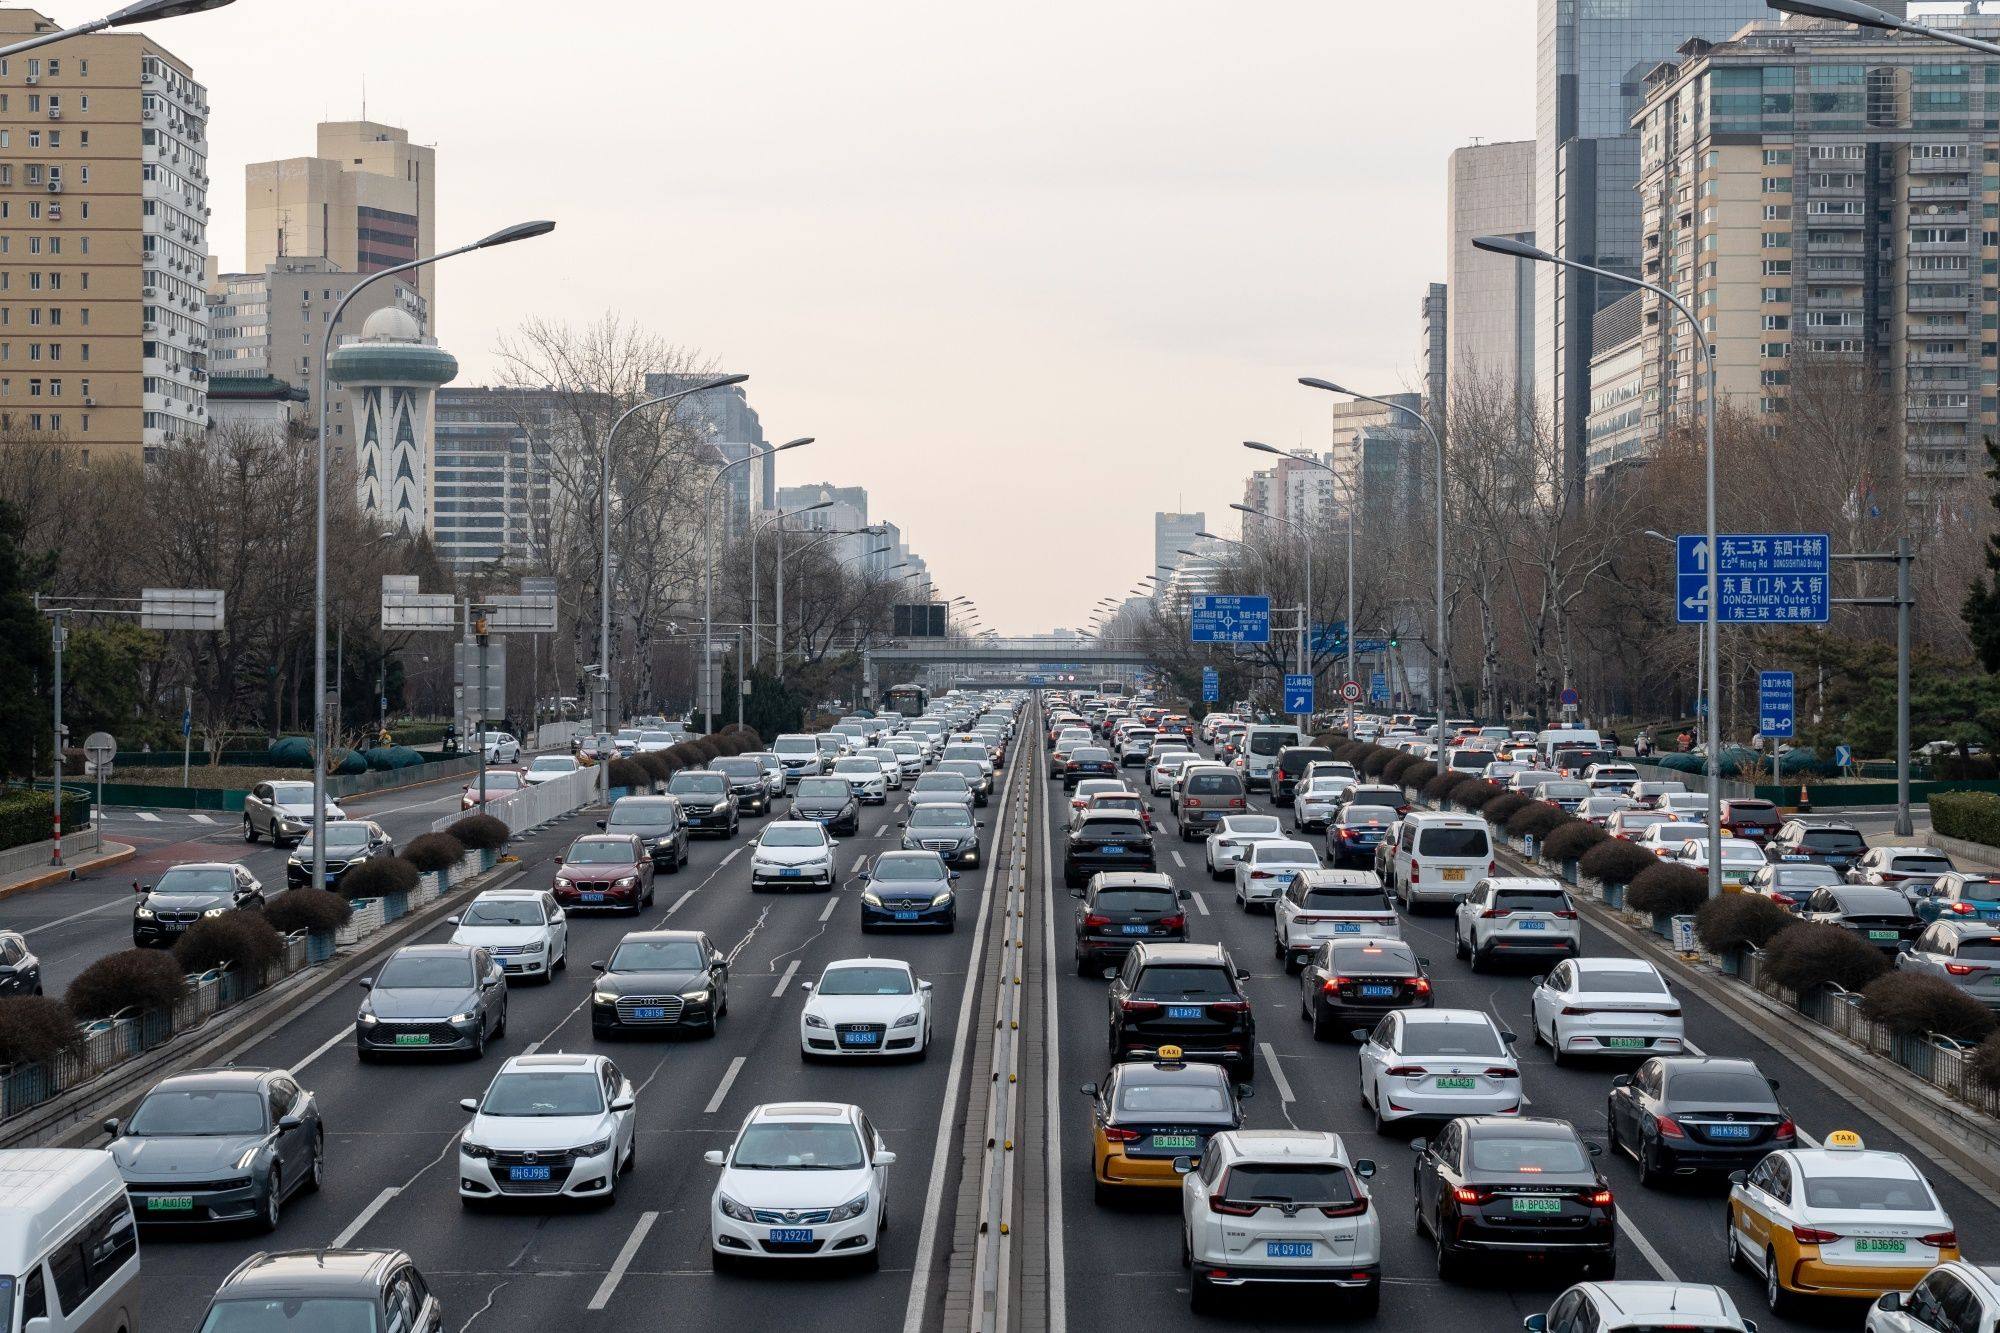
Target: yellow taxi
column 1837, row 1220
column 1144, row 1115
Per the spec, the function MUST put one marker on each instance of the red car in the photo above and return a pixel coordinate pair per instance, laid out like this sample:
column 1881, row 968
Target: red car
column 500, row 784
column 606, row 870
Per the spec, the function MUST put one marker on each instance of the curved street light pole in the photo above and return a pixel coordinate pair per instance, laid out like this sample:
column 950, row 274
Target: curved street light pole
column 1314, row 462
column 144, row 11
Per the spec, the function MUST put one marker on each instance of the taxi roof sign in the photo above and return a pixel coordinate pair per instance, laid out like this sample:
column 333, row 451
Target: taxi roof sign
column 1843, row 1139
column 1171, row 1054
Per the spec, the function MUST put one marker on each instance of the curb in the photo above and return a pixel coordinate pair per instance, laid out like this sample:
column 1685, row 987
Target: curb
column 57, row 875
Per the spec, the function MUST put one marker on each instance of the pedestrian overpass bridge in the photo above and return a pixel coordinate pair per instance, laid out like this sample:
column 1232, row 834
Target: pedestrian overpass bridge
column 997, row 667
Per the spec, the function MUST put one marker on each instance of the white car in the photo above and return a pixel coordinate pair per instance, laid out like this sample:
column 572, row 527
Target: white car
column 1267, row 867
column 909, row 754
column 548, row 767
column 864, row 778
column 1955, row 1284
column 1515, row 916
column 1319, row 905
column 1664, row 839
column 1234, row 835
column 549, row 1126
column 792, row 852
column 1606, row 1006
column 525, row 930
column 892, row 767
column 1643, row 1307
column 1438, row 1063
column 1283, row 1207
column 501, row 748
column 803, row 1180
column 1741, row 858
column 1687, row 804
column 866, row 1007
column 1316, row 801
column 1079, row 799
column 1166, row 765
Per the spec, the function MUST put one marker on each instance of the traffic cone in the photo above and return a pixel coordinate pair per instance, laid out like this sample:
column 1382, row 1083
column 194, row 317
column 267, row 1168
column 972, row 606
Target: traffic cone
column 1805, row 801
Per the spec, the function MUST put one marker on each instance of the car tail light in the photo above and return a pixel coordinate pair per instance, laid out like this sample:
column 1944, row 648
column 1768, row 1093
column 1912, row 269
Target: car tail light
column 1355, row 1209
column 1406, row 1071
column 1177, row 921
column 1596, row 1198
column 1960, row 969
column 1566, row 914
column 1944, row 1240
column 1190, row 802
column 1236, row 803
column 1420, row 985
column 1493, row 868
column 1502, row 1071
column 1786, row 1130
column 1218, row 1204
column 1139, row 1008
column 1963, row 909
column 1497, row 911
column 1416, row 872
column 1121, row 1135
column 1576, row 1011
column 1668, row 1013
column 1403, row 809
column 1814, row 1236
column 1094, row 921
column 1229, row 1007
column 1668, row 1127
column 1260, row 874
column 1465, row 1194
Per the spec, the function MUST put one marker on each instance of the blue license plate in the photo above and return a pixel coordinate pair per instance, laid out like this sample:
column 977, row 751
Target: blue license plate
column 1731, row 1131
column 593, row 897
column 1288, row 1249
column 1794, row 856
column 1347, row 928
column 527, row 1173
column 332, row 875
column 1112, row 850
column 1534, row 925
column 790, row 872
column 859, row 1038
column 908, row 916
column 1378, row 992
column 792, row 1235
column 1184, row 1011
column 1135, row 930
column 650, row 1011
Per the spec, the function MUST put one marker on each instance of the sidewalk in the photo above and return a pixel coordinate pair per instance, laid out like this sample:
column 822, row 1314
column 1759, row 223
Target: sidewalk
column 108, row 854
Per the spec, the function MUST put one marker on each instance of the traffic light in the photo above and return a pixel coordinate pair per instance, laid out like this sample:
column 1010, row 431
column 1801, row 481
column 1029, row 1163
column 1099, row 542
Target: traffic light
column 1394, row 642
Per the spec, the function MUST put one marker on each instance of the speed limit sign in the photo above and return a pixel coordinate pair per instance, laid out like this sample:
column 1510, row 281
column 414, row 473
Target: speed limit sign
column 1351, row 691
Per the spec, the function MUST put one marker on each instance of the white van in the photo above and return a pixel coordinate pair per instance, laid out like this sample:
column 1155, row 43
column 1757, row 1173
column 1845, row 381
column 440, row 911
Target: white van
column 1259, row 756
column 1439, row 857
column 68, row 1238
column 1546, row 742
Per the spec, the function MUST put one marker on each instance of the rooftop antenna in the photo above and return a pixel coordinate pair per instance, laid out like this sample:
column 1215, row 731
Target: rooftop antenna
column 364, row 97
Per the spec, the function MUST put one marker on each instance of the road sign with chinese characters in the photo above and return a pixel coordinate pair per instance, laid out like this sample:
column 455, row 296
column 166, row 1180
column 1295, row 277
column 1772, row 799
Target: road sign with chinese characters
column 1298, row 693
column 1761, row 578
column 1211, row 685
column 1775, row 703
column 1229, row 618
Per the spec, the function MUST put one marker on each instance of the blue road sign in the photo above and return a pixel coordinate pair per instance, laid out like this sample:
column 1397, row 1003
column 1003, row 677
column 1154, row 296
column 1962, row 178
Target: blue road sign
column 1211, row 686
column 1378, row 686
column 187, row 722
column 1775, row 703
column 1038, row 680
column 1843, row 755
column 1330, row 638
column 1371, row 645
column 1228, row 618
column 1761, row 578
column 1298, row 693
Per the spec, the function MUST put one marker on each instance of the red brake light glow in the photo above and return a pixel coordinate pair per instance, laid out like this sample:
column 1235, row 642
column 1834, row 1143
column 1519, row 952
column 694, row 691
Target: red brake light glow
column 1814, row 1236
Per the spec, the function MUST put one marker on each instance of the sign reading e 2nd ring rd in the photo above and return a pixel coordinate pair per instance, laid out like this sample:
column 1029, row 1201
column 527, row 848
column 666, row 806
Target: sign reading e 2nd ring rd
column 1761, row 577
column 1229, row 618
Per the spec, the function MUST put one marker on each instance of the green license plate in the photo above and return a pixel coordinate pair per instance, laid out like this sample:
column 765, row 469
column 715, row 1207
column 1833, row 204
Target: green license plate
column 1626, row 1043
column 1454, row 1085
column 1538, row 1205
column 1881, row 1247
column 1177, row 1142
column 1882, row 935
column 413, row 1038
column 180, row 1203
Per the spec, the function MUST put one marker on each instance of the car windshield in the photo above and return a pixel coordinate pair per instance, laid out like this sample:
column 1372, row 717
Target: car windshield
column 1803, row 876
column 796, row 745
column 1278, row 854
column 656, row 956
column 497, row 780
column 646, row 812
column 941, row 816
column 604, row 852
column 1672, row 832
column 1984, row 950
column 698, row 784
column 185, row 879
column 1565, row 791
column 504, row 912
column 416, row 972
column 798, row 1145
column 1366, row 814
column 657, row 737
column 865, row 981
column 793, row 835
column 1470, row 842
column 1737, row 1087
column 738, row 768
column 1135, row 1095
column 1288, row 1182
column 1473, row 759
column 1921, row 865
column 1869, row 1194
column 1530, row 1155
column 1238, row 825
column 952, row 783
column 1451, row 1039
column 1270, row 742
column 203, row 1111
column 1832, row 840
column 545, row 1092
column 1532, row 900
column 1620, row 981
column 1979, row 890
column 292, row 1314
column 1115, row 829
column 1374, row 958
column 1164, row 981
column 553, row 763
column 908, row 868
column 858, row 768
column 822, row 789
column 291, row 793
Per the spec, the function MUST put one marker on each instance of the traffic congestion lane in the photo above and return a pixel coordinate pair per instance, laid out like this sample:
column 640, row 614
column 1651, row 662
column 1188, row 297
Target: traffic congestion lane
column 1673, row 1232
column 393, row 1128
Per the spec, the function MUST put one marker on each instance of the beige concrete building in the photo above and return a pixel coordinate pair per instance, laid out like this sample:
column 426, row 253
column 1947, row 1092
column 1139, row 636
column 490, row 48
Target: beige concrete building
column 1490, row 191
column 366, row 200
column 103, row 241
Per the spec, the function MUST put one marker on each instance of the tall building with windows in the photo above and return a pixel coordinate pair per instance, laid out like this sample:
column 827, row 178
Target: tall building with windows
column 365, row 200
column 103, row 241
column 1352, row 419
column 1173, row 533
column 725, row 418
column 1592, row 58
column 490, row 476
column 1434, row 314
column 1615, row 433
column 1490, row 191
column 1816, row 190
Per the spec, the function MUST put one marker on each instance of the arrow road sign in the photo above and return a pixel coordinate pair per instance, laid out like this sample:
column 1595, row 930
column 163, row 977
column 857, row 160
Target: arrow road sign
column 1761, row 578
column 1298, row 693
column 1378, row 685
column 1775, row 703
column 1228, row 618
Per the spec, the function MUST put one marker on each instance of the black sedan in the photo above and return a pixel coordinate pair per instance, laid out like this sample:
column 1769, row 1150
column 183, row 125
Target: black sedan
column 1088, row 761
column 1118, row 910
column 186, row 894
column 660, row 981
column 1361, row 979
column 20, row 970
column 747, row 783
column 707, row 801
column 1881, row 916
column 909, row 889
column 349, row 842
column 1355, row 833
column 1682, row 1115
column 1105, row 840
column 948, row 830
column 829, row 801
column 1519, row 1190
column 220, row 1145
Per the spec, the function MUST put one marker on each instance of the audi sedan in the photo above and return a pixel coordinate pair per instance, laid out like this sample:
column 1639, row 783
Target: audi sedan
column 660, row 981
column 866, row 1007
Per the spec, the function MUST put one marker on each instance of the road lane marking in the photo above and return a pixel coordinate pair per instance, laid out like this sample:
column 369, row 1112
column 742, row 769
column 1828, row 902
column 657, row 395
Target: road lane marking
column 1200, row 903
column 200, row 818
column 149, row 816
column 883, row 830
column 680, row 902
column 791, row 970
column 325, row 1046
column 1645, row 1247
column 733, row 854
column 73, row 916
column 1277, row 1072
column 831, row 904
column 626, row 1254
column 859, row 862
column 722, row 1088
column 1175, row 853
column 365, row 1216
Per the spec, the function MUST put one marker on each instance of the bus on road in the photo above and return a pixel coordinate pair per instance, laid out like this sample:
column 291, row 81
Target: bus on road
column 908, row 700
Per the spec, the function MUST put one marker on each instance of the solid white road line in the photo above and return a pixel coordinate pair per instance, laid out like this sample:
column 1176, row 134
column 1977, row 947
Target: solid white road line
column 1058, row 1271
column 1200, row 903
column 680, row 902
column 1277, row 1072
column 722, row 1088
column 626, row 1254
column 343, row 1035
column 791, row 970
column 831, row 904
column 74, row 916
column 1175, row 853
column 733, row 854
column 1645, row 1247
column 365, row 1216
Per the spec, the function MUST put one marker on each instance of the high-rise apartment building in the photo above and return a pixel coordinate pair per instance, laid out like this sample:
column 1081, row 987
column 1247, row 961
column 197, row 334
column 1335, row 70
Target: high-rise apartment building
column 1434, row 315
column 847, row 511
column 726, row 420
column 1490, row 191
column 1615, row 433
column 1592, row 58
column 1350, row 420
column 1298, row 489
column 1173, row 533
column 366, row 200
column 490, row 476
column 103, row 241
column 1814, row 190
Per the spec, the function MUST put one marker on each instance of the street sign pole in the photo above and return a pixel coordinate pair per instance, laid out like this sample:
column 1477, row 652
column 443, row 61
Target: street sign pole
column 59, row 633
column 187, row 730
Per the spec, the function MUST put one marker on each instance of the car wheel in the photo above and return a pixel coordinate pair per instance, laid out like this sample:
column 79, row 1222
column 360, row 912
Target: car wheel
column 719, row 1262
column 316, row 1176
column 562, row 963
column 1322, row 1030
column 1556, row 1055
column 479, row 1043
column 1458, row 945
column 1613, row 1144
column 1084, row 967
column 1381, row 1125
column 273, row 1205
column 249, row 830
column 1450, row 1267
column 632, row 1155
column 1650, row 1174
column 1475, row 958
column 1201, row 1294
column 1732, row 1252
column 1417, row 1222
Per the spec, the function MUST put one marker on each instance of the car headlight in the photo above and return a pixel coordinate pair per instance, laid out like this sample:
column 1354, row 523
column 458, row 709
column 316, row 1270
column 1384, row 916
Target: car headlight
column 471, row 1149
column 906, row 1021
column 596, row 1149
column 815, row 1021
column 365, row 1019
column 604, row 997
column 872, row 898
column 460, row 1018
column 853, row 1208
column 732, row 1209
column 143, row 913
column 696, row 996
column 215, row 911
column 940, row 898
column 626, row 882
column 564, row 882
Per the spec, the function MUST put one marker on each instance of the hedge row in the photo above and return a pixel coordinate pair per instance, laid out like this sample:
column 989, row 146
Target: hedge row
column 1971, row 815
column 28, row 816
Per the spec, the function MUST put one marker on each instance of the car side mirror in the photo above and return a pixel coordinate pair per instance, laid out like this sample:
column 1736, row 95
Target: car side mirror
column 1183, row 1166
column 1420, row 1145
column 979, row 823
column 624, row 1103
column 1510, row 1037
column 1773, row 1082
column 597, row 965
column 1111, row 974
column 292, row 1121
column 468, row 1103
column 884, row 1157
column 805, row 985
column 1243, row 974
column 1536, row 1323
column 1185, row 895
column 1594, row 1149
column 714, row 1157
column 1538, row 979
column 1890, row 1302
column 492, row 981
column 366, row 983
column 139, row 888
column 1359, row 1034
column 111, row 1126
column 1088, row 1089
column 1622, row 1081
column 1739, row 1177
column 600, row 823
column 451, row 921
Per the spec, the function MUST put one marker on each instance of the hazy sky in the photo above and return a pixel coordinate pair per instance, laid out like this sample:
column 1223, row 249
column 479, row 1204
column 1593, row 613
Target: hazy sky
column 1029, row 271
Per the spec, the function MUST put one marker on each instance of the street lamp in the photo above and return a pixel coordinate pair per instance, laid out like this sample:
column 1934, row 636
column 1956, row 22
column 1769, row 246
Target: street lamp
column 778, row 617
column 518, row 232
column 1867, row 16
column 1507, row 245
column 708, row 566
column 756, row 648
column 144, row 11
column 1314, row 462
column 1305, row 613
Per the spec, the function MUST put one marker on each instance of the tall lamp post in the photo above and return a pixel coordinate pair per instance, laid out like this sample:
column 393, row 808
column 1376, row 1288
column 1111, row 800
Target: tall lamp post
column 708, row 568
column 756, row 649
column 1314, row 462
column 1507, row 245
column 145, row 11
column 778, row 616
column 520, row 231
column 1867, row 16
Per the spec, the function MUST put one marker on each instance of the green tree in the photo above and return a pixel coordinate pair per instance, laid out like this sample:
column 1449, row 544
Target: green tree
column 1981, row 609
column 102, row 669
column 24, row 654
column 773, row 706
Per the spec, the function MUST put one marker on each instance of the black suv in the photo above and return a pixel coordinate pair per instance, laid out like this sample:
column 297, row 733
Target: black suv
column 1820, row 844
column 1106, row 840
column 706, row 801
column 1119, row 910
column 1292, row 761
column 1185, row 995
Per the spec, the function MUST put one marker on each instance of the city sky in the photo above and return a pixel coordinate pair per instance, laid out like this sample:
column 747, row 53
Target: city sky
column 1028, row 272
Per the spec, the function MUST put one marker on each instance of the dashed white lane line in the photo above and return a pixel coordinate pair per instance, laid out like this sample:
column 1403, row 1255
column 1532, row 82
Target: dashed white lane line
column 1175, row 853
column 200, row 818
column 626, row 1254
column 1200, row 904
column 734, row 853
column 791, row 970
column 831, row 905
column 722, row 1088
column 859, row 862
column 680, row 902
column 366, row 1215
column 882, row 831
column 1645, row 1247
column 325, row 1046
column 1277, row 1072
column 149, row 816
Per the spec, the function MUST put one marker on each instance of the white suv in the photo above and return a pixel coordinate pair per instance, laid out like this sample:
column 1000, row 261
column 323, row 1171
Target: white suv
column 1438, row 857
column 1279, row 1206
column 1516, row 916
column 1615, row 1307
column 1321, row 905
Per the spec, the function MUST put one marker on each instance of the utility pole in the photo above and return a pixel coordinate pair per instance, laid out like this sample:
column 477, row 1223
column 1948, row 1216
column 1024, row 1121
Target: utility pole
column 58, row 633
column 479, row 711
column 1904, row 558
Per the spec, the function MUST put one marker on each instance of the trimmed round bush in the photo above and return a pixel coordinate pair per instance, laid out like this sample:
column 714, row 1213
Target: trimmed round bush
column 138, row 979
column 1918, row 1006
column 1503, row 807
column 312, row 910
column 1439, row 788
column 1570, row 841
column 1665, row 889
column 434, row 851
column 1349, row 751
column 1393, row 771
column 1615, row 861
column 1378, row 759
column 1476, row 793
column 480, row 832
column 685, row 754
column 1419, row 773
column 377, row 877
column 748, row 734
column 630, row 773
column 1738, row 920
column 241, row 937
column 1810, row 953
column 1536, row 819
column 35, row 1029
column 707, row 749
column 1984, row 1066
column 655, row 764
